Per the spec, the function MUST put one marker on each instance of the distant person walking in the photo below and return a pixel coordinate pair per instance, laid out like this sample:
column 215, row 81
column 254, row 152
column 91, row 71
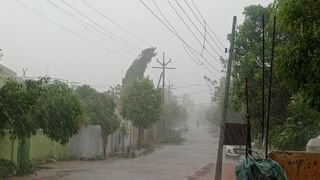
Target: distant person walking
column 198, row 123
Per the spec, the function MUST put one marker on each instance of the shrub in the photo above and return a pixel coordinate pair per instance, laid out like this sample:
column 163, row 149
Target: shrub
column 7, row 168
column 26, row 168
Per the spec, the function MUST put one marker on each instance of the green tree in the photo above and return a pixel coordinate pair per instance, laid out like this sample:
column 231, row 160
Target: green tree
column 106, row 117
column 87, row 96
column 17, row 101
column 99, row 109
column 295, row 89
column 141, row 104
column 138, row 67
column 173, row 115
column 301, row 125
column 248, row 64
column 214, row 113
column 298, row 65
column 57, row 112
column 30, row 105
column 299, row 49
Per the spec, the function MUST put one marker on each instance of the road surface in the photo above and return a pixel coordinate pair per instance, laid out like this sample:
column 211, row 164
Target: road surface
column 170, row 162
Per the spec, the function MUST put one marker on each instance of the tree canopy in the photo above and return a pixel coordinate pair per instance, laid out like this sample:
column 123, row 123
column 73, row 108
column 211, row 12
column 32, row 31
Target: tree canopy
column 58, row 112
column 99, row 109
column 138, row 67
column 295, row 98
column 141, row 103
column 32, row 105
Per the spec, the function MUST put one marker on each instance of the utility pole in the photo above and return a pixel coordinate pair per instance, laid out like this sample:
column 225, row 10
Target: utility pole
column 263, row 75
column 163, row 67
column 231, row 38
column 160, row 78
column 170, row 87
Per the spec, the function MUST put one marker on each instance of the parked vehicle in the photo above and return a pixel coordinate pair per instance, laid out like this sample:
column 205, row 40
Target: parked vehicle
column 235, row 151
column 313, row 145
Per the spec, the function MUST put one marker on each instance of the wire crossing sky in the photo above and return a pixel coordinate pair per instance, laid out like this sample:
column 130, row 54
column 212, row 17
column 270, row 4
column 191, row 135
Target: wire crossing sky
column 94, row 42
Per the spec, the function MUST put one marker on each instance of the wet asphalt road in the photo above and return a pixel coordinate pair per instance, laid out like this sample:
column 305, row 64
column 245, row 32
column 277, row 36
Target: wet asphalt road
column 169, row 162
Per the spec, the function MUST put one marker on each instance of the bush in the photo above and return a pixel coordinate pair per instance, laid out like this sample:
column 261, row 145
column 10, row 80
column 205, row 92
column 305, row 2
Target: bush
column 172, row 136
column 7, row 168
column 26, row 168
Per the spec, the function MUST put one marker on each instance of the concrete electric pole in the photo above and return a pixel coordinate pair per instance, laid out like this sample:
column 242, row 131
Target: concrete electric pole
column 231, row 38
column 163, row 67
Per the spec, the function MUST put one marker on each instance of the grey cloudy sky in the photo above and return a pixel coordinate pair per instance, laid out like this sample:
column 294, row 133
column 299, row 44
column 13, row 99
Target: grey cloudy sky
column 48, row 41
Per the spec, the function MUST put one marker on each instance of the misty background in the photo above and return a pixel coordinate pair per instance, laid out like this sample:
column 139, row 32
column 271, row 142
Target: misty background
column 35, row 35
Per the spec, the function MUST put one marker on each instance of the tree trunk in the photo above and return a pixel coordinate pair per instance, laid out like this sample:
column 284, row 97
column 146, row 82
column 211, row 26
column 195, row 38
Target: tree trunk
column 21, row 153
column 139, row 137
column 12, row 148
column 104, row 144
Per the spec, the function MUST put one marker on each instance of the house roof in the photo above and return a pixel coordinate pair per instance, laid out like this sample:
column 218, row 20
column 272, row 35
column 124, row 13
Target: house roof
column 6, row 72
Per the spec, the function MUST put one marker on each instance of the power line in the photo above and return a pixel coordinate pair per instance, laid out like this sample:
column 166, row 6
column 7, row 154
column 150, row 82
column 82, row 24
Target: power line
column 175, row 10
column 204, row 20
column 199, row 92
column 45, row 17
column 113, row 35
column 189, row 28
column 164, row 17
column 194, row 59
column 175, row 34
column 64, row 28
column 114, row 22
column 102, row 34
column 213, row 67
column 207, row 103
column 190, row 85
column 203, row 25
column 189, row 18
column 198, row 62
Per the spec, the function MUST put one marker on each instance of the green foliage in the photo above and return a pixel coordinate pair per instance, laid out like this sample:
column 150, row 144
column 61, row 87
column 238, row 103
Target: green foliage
column 214, row 113
column 141, row 103
column 99, row 109
column 26, row 168
column 87, row 97
column 299, row 50
column 58, row 112
column 298, row 64
column 302, row 125
column 106, row 116
column 248, row 62
column 17, row 102
column 147, row 149
column 138, row 67
column 295, row 97
column 172, row 120
column 173, row 115
column 28, row 106
column 7, row 168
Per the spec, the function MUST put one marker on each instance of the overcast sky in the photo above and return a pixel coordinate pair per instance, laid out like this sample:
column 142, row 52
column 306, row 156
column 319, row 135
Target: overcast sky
column 48, row 41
